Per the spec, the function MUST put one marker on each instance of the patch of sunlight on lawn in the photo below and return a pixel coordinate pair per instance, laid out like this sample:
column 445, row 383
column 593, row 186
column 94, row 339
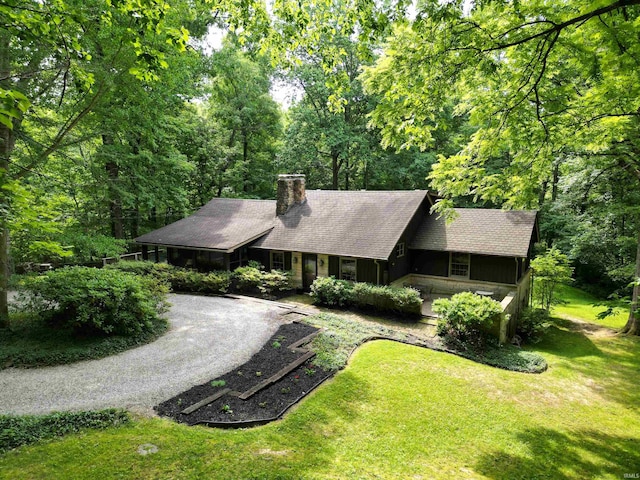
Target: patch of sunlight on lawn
column 577, row 304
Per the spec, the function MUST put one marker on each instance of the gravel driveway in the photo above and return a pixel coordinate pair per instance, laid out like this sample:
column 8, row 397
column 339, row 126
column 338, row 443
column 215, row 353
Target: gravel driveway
column 208, row 337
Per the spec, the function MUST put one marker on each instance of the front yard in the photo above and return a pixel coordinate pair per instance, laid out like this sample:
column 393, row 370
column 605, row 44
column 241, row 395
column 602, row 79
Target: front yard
column 399, row 411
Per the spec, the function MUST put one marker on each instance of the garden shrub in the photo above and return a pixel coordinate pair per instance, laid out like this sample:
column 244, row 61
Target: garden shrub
column 533, row 324
column 16, row 431
column 98, row 301
column 275, row 281
column 144, row 267
column 243, row 279
column 331, row 292
column 465, row 318
column 381, row 298
column 247, row 278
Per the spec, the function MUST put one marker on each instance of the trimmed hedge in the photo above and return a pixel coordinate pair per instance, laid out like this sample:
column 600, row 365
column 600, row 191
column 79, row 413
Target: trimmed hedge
column 16, row 431
column 380, row 298
column 247, row 279
column 97, row 301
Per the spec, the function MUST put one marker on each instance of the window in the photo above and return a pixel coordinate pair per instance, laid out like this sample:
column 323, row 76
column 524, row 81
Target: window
column 459, row 265
column 277, row 260
column 348, row 269
column 400, row 250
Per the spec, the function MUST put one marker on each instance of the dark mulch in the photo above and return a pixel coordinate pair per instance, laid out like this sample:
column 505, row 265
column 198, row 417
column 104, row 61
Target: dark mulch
column 266, row 404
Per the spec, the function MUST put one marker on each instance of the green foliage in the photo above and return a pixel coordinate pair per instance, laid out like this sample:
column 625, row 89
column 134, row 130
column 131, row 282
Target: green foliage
column 31, row 342
column 141, row 267
column 247, row 278
column 465, row 318
column 275, row 281
column 250, row 278
column 16, row 431
column 532, row 324
column 180, row 279
column 380, row 298
column 331, row 292
column 97, row 301
column 509, row 357
column 549, row 269
column 91, row 248
column 244, row 279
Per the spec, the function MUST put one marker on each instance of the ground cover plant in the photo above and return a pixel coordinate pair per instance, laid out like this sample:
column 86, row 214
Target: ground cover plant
column 447, row 417
column 16, row 431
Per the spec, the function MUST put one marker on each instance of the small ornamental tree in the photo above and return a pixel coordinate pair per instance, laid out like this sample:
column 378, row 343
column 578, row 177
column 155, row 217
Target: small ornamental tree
column 549, row 270
column 465, row 318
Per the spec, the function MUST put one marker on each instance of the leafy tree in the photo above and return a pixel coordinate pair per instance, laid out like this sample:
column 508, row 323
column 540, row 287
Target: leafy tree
column 550, row 270
column 46, row 62
column 245, row 122
column 542, row 82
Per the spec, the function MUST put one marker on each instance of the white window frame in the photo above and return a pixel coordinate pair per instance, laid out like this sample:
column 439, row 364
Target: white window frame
column 355, row 269
column 451, row 264
column 400, row 250
column 273, row 261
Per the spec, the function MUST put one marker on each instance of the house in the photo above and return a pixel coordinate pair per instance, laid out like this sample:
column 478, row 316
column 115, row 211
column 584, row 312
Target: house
column 382, row 237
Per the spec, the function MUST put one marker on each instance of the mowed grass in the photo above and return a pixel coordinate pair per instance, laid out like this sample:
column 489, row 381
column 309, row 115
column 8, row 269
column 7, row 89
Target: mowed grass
column 578, row 304
column 399, row 411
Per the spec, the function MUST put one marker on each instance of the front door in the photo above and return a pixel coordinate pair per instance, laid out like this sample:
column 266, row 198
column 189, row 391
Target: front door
column 309, row 269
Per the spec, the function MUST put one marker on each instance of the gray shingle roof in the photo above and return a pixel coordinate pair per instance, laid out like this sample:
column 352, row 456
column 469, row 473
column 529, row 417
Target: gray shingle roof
column 222, row 224
column 366, row 224
column 480, row 231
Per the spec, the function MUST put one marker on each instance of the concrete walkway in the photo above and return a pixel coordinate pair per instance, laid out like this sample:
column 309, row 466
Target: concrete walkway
column 208, row 337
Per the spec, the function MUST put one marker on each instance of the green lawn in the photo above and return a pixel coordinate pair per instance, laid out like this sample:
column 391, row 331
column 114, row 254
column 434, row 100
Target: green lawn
column 399, row 411
column 577, row 304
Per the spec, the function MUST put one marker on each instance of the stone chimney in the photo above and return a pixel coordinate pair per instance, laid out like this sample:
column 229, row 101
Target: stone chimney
column 291, row 192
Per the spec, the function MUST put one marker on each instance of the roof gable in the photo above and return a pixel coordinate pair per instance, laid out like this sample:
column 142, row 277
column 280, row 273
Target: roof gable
column 504, row 233
column 366, row 224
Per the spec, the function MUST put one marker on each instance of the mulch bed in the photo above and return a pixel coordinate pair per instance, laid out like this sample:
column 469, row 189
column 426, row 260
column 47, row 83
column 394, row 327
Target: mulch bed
column 266, row 404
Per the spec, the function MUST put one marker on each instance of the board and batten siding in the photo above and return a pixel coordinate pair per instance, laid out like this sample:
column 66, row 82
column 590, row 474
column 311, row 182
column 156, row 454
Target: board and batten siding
column 430, row 262
column 488, row 268
column 484, row 268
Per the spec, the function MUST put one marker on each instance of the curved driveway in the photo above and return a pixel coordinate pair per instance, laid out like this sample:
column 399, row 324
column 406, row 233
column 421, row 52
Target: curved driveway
column 208, row 337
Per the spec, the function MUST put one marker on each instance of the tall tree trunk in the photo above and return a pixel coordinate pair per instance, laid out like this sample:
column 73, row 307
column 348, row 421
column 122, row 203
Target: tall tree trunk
column 115, row 204
column 7, row 142
column 135, row 221
column 554, row 184
column 633, row 324
column 335, row 169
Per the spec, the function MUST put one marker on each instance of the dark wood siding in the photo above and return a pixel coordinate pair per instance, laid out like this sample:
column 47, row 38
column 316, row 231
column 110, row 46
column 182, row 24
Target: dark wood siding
column 366, row 270
column 334, row 267
column 260, row 255
column 488, row 268
column 401, row 266
column 430, row 262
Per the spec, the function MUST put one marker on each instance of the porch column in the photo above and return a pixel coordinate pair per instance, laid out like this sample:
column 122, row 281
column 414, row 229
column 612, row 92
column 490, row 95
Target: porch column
column 145, row 252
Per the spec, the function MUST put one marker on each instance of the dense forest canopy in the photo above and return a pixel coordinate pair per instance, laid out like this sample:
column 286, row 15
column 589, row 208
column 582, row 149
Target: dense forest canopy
column 115, row 117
